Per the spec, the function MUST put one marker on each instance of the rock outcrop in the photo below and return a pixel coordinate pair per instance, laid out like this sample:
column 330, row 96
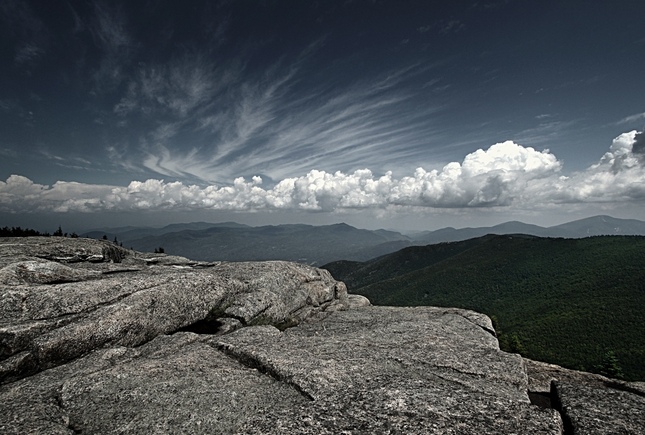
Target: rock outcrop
column 588, row 403
column 62, row 298
column 99, row 339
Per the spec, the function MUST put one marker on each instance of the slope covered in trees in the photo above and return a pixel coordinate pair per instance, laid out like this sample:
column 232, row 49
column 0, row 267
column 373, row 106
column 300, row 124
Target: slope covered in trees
column 574, row 302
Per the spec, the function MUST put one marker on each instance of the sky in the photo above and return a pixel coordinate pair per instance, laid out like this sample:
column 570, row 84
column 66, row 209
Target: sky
column 410, row 115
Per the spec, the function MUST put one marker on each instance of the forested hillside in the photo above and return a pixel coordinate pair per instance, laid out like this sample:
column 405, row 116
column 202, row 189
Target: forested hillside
column 574, row 302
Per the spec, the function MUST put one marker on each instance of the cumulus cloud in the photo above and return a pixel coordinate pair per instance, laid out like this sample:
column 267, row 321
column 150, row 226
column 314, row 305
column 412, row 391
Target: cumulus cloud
column 20, row 194
column 638, row 148
column 504, row 175
column 619, row 176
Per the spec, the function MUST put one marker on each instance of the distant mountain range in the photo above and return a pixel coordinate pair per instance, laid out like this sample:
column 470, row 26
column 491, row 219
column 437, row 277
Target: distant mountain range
column 317, row 245
column 592, row 226
column 230, row 241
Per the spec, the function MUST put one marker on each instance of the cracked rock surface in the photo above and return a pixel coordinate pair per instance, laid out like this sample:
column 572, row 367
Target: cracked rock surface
column 590, row 403
column 62, row 298
column 98, row 339
column 368, row 370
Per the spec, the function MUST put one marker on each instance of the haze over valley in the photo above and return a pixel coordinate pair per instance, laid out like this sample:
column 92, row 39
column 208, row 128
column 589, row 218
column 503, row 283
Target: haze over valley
column 318, row 245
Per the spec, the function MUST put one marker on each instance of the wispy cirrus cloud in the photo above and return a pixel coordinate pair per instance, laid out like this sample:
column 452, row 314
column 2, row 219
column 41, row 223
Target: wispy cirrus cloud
column 7, row 152
column 111, row 35
column 177, row 87
column 28, row 52
column 443, row 27
column 66, row 161
column 192, row 118
column 30, row 33
column 632, row 118
column 250, row 124
column 504, row 175
column 548, row 130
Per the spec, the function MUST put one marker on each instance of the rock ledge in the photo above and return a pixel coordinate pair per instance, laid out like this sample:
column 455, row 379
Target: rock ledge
column 98, row 339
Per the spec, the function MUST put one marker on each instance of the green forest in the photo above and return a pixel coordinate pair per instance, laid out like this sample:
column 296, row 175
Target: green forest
column 573, row 302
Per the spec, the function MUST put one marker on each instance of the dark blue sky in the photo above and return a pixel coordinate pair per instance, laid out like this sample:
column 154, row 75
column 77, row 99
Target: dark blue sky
column 308, row 95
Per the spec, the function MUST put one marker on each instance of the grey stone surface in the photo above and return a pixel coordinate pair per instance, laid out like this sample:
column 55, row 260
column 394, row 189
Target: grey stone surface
column 541, row 375
column 98, row 339
column 173, row 384
column 590, row 403
column 588, row 409
column 59, row 249
column 42, row 272
column 370, row 370
column 357, row 301
column 392, row 370
column 56, row 311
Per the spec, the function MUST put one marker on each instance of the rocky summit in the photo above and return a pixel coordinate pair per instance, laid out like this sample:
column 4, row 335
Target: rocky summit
column 95, row 338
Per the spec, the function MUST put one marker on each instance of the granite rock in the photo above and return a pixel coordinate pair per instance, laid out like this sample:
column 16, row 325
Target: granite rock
column 59, row 301
column 368, row 370
column 589, row 403
column 95, row 338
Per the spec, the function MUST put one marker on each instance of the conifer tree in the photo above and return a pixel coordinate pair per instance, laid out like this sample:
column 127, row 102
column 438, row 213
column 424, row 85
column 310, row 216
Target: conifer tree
column 609, row 366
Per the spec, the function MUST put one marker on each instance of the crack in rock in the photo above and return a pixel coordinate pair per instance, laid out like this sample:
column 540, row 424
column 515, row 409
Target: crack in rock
column 263, row 365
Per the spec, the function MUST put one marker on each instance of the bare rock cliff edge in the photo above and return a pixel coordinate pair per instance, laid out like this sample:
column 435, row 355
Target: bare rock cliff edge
column 95, row 338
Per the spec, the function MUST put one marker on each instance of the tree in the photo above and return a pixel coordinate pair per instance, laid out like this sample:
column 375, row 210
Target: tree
column 510, row 342
column 495, row 321
column 609, row 366
column 58, row 232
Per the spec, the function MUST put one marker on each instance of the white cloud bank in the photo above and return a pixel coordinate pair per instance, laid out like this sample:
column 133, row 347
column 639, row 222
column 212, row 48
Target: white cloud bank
column 506, row 175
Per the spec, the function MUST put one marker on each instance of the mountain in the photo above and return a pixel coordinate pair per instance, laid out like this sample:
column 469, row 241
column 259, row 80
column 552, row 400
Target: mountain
column 450, row 234
column 230, row 241
column 601, row 225
column 565, row 301
column 130, row 232
column 593, row 226
column 357, row 275
column 234, row 242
